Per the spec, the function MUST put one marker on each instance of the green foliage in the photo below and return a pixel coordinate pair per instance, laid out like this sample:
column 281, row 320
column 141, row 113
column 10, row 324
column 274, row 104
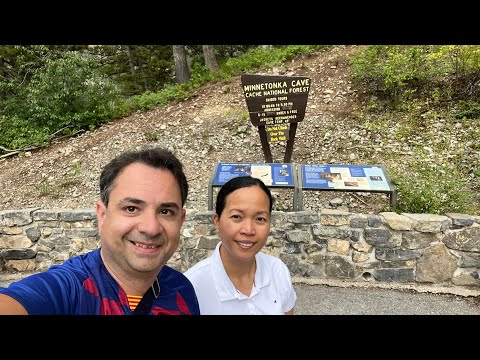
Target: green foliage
column 149, row 100
column 222, row 52
column 394, row 71
column 46, row 91
column 66, row 92
column 467, row 109
column 47, row 189
column 411, row 88
column 19, row 63
column 19, row 133
column 152, row 136
column 69, row 91
column 253, row 59
column 433, row 191
column 56, row 189
column 71, row 175
column 262, row 58
column 136, row 69
column 240, row 120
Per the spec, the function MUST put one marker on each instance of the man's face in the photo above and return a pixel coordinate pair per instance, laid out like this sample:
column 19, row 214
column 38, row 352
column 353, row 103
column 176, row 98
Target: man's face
column 140, row 228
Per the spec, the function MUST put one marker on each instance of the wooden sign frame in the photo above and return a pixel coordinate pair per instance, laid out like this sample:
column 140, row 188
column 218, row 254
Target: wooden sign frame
column 276, row 100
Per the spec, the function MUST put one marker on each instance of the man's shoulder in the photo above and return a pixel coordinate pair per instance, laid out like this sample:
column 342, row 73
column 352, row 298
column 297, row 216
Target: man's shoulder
column 171, row 275
column 80, row 268
column 173, row 281
column 89, row 260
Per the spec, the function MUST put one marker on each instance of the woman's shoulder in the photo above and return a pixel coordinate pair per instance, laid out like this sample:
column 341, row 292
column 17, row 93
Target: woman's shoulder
column 271, row 260
column 199, row 267
column 278, row 271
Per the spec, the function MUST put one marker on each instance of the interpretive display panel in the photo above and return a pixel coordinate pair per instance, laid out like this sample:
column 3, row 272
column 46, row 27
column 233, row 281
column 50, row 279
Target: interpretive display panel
column 345, row 177
column 366, row 178
column 283, row 175
column 271, row 174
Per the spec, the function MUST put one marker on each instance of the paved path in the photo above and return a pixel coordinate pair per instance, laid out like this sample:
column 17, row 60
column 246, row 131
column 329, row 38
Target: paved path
column 333, row 297
column 322, row 299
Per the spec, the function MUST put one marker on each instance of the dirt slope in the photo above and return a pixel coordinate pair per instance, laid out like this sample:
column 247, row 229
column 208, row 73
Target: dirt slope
column 202, row 131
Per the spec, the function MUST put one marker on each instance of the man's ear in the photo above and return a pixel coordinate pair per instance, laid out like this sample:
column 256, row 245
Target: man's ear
column 101, row 213
column 184, row 215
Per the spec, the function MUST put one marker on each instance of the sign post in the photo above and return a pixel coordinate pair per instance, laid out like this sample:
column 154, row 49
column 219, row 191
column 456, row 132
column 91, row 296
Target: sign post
column 276, row 104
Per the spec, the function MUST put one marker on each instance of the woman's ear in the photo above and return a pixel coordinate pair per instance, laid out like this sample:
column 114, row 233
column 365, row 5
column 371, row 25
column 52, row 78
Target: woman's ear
column 216, row 219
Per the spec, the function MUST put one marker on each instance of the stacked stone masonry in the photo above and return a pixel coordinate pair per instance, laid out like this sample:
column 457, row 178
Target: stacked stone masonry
column 385, row 247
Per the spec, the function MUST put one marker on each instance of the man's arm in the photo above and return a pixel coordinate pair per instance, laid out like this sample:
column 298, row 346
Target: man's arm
column 10, row 306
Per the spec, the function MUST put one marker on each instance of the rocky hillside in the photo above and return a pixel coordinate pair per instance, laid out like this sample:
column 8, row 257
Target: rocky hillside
column 203, row 130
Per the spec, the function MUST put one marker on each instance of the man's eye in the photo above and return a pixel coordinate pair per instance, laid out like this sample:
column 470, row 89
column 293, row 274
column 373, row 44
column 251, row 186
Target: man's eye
column 131, row 209
column 167, row 212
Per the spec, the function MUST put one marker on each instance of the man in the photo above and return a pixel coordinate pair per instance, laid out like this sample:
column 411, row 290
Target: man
column 140, row 213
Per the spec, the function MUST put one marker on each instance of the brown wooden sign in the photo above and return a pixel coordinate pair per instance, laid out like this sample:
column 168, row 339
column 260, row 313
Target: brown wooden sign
column 275, row 100
column 276, row 103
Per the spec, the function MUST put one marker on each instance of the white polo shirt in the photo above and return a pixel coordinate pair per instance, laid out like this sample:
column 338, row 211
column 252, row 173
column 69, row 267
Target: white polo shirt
column 272, row 294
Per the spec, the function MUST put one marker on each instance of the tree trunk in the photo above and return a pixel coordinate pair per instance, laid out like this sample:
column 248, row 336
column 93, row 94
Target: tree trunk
column 210, row 58
column 130, row 62
column 182, row 73
column 132, row 67
column 142, row 71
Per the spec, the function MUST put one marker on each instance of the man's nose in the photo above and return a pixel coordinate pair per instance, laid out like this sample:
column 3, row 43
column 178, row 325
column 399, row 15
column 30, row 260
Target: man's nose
column 150, row 223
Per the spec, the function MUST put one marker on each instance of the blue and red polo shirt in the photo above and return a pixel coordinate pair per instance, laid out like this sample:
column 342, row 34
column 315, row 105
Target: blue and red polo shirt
column 83, row 286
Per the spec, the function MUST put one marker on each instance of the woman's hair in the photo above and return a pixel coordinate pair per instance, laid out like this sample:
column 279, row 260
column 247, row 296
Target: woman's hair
column 238, row 183
column 158, row 158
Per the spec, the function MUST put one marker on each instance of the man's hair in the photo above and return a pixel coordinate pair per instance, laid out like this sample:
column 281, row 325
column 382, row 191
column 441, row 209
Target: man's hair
column 158, row 158
column 235, row 184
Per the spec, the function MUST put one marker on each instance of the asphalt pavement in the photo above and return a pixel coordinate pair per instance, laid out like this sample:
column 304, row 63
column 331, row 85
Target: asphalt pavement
column 317, row 298
column 343, row 297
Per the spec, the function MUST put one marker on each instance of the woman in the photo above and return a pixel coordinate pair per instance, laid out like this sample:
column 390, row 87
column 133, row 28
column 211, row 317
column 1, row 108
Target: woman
column 237, row 278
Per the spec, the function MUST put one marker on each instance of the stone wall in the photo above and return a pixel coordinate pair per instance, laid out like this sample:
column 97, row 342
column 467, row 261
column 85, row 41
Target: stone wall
column 383, row 248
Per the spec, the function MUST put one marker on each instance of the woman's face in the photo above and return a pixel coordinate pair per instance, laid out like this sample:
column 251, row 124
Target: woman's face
column 244, row 224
